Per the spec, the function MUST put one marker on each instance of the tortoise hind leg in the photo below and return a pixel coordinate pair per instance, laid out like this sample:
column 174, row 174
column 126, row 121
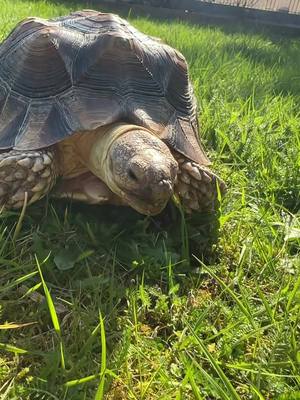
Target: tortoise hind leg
column 33, row 172
column 197, row 186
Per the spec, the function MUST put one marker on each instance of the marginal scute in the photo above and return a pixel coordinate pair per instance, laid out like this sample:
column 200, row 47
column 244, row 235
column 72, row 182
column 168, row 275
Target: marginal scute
column 3, row 95
column 12, row 117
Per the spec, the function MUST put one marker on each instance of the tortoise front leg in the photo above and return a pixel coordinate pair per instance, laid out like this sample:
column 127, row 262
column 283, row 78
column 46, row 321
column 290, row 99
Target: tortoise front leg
column 197, row 186
column 33, row 172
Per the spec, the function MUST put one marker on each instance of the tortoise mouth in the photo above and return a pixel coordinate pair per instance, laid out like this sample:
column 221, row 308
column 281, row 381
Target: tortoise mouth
column 145, row 207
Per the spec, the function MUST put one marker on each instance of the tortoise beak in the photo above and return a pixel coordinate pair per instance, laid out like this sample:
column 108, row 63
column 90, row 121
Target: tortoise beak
column 145, row 207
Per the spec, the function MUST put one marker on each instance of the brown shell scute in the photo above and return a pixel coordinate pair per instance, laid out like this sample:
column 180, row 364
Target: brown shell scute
column 89, row 69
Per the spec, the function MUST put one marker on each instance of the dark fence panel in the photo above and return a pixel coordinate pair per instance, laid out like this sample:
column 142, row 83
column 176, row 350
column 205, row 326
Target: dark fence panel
column 284, row 6
column 208, row 12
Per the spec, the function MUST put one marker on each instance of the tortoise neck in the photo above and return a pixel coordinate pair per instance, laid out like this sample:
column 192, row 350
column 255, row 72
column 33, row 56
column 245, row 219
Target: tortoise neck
column 96, row 150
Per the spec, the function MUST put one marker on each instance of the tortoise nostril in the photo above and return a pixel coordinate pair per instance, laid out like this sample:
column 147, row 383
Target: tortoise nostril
column 132, row 175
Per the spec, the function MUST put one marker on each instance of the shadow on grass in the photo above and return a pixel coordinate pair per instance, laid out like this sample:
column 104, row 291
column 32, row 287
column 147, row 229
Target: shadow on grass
column 124, row 231
column 99, row 256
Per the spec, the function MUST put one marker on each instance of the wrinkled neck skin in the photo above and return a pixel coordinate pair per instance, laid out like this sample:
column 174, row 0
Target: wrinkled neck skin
column 98, row 160
column 135, row 165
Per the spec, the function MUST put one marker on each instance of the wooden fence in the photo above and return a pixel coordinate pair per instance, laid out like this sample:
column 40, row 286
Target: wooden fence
column 283, row 6
column 211, row 11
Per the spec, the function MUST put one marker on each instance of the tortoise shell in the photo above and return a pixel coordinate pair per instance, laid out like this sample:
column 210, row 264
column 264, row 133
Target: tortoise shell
column 90, row 69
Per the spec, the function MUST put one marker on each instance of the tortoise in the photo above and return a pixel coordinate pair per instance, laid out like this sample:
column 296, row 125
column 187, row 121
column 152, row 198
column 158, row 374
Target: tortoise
column 94, row 110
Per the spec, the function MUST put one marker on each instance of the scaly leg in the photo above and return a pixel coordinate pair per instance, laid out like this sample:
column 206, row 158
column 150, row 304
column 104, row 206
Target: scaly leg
column 197, row 186
column 33, row 172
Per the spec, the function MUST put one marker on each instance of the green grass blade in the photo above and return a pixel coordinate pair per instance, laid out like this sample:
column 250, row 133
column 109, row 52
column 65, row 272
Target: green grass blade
column 21, row 218
column 293, row 294
column 194, row 386
column 5, row 394
column 257, row 392
column 210, row 381
column 226, row 382
column 100, row 391
column 254, row 369
column 230, row 292
column 12, row 349
column 81, row 381
column 17, row 282
column 266, row 304
column 11, row 325
column 53, row 314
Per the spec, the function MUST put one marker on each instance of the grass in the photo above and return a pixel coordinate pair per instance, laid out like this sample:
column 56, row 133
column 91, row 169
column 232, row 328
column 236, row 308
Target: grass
column 99, row 303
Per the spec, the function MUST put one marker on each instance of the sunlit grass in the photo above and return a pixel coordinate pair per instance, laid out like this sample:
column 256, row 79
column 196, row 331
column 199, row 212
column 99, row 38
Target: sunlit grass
column 221, row 325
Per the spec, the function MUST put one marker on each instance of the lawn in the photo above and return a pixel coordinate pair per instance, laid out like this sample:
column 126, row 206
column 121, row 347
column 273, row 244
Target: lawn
column 99, row 302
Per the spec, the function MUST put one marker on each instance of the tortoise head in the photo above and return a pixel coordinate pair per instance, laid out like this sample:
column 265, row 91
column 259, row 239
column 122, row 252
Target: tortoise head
column 136, row 165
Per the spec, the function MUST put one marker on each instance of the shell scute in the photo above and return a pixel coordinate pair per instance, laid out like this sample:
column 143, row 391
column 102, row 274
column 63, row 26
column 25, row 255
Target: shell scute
column 12, row 116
